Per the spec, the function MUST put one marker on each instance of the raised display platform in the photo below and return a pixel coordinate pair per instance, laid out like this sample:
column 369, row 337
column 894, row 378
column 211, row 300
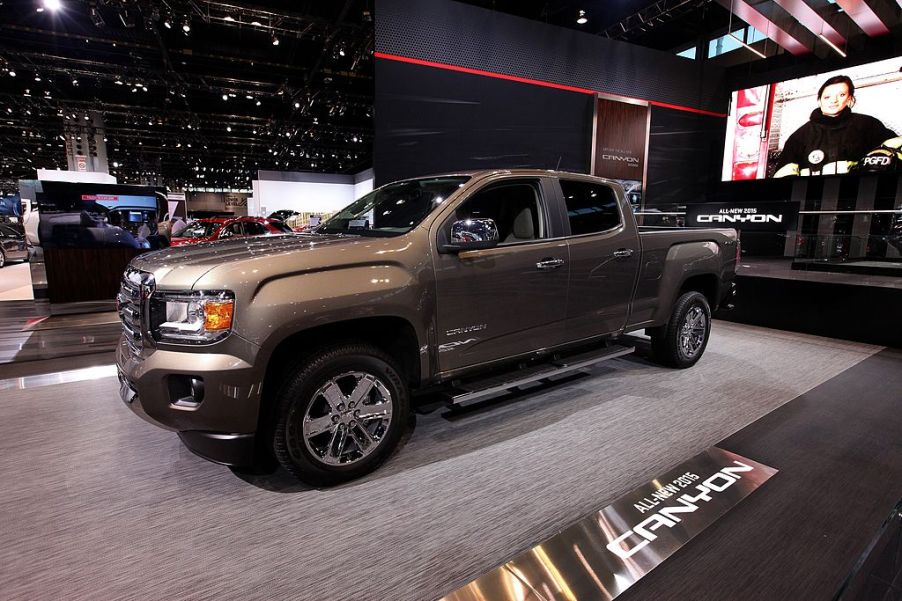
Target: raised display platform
column 858, row 307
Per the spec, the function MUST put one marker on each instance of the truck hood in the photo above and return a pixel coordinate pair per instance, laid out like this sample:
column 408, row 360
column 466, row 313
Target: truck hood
column 181, row 267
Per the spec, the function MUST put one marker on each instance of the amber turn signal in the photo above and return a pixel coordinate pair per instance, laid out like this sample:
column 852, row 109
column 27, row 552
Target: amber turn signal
column 218, row 315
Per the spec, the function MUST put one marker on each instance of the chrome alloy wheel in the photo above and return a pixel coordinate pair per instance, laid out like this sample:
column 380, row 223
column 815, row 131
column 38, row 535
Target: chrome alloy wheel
column 693, row 332
column 347, row 418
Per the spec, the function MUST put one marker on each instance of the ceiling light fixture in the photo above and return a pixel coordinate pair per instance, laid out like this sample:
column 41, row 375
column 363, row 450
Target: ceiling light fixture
column 52, row 5
column 582, row 19
column 229, row 18
column 256, row 23
column 275, row 41
column 832, row 45
column 742, row 43
column 225, row 96
column 12, row 73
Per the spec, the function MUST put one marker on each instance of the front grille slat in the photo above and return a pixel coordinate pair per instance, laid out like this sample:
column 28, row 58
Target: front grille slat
column 134, row 291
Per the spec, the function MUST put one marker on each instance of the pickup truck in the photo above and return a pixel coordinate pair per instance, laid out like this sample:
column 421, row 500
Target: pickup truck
column 306, row 348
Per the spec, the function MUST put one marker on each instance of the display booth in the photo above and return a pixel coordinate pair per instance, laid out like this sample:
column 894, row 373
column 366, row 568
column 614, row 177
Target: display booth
column 85, row 235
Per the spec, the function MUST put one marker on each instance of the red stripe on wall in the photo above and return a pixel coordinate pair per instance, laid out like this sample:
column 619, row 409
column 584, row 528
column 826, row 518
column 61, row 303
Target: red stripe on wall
column 534, row 82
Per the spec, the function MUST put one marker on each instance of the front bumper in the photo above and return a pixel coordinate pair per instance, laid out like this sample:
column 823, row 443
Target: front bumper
column 219, row 428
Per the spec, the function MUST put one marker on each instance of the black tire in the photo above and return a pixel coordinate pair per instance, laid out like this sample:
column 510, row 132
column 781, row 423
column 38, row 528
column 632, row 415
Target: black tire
column 302, row 401
column 2, row 259
column 678, row 343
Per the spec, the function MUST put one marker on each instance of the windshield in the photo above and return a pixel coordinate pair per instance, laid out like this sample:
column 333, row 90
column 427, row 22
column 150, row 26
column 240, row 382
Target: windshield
column 394, row 209
column 199, row 230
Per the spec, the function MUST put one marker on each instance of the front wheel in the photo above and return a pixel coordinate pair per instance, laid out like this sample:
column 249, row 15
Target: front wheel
column 682, row 341
column 340, row 414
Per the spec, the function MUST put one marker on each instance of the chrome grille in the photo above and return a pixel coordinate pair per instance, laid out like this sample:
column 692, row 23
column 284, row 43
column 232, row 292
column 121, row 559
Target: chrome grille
column 131, row 303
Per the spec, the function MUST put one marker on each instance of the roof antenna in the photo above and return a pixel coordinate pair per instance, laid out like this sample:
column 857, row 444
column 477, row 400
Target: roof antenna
column 558, row 166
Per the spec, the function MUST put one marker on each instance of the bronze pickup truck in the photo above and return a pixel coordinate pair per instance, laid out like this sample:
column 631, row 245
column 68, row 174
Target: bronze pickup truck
column 306, row 347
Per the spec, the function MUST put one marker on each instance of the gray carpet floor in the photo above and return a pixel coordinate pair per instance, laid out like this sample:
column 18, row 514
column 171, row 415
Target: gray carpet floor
column 96, row 504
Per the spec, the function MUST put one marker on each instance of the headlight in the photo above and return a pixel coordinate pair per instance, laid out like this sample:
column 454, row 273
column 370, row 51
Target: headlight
column 191, row 317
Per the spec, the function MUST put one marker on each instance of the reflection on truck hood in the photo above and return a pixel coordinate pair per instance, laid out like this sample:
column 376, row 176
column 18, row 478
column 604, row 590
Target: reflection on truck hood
column 182, row 266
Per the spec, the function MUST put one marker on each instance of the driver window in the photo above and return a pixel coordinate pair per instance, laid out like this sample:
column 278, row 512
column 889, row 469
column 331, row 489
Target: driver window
column 515, row 208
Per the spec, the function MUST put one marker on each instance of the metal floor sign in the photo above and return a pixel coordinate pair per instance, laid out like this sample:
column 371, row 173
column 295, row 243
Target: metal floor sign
column 605, row 553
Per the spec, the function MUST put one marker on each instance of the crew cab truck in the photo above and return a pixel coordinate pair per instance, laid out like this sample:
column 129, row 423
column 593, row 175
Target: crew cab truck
column 306, row 347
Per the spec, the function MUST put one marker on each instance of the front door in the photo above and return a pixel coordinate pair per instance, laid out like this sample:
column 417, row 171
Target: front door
column 505, row 301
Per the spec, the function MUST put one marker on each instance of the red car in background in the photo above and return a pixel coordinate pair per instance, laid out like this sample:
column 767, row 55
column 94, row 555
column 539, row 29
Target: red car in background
column 220, row 228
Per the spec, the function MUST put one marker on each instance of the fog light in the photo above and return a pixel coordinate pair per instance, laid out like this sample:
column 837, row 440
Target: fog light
column 185, row 392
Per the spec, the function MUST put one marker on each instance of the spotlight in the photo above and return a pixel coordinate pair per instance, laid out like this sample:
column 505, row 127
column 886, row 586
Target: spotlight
column 229, row 18
column 52, row 5
column 259, row 103
column 12, row 73
column 186, row 26
column 275, row 41
column 582, row 19
column 256, row 23
column 225, row 96
column 167, row 24
column 74, row 82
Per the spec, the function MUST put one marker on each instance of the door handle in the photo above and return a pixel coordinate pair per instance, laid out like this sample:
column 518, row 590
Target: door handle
column 548, row 264
column 623, row 253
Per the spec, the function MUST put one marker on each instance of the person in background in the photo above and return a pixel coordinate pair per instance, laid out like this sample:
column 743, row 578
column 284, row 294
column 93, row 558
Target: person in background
column 835, row 138
column 143, row 231
column 178, row 226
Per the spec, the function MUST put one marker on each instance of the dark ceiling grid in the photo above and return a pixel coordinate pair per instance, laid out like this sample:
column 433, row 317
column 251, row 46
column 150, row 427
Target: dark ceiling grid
column 203, row 108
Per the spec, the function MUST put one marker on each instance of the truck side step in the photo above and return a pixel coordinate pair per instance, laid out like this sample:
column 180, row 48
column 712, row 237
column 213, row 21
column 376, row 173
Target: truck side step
column 474, row 390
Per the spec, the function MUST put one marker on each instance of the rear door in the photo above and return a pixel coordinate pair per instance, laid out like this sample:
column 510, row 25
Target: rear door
column 509, row 300
column 234, row 229
column 604, row 258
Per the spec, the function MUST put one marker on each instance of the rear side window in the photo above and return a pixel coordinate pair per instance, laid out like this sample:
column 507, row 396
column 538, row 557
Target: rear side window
column 590, row 207
column 252, row 228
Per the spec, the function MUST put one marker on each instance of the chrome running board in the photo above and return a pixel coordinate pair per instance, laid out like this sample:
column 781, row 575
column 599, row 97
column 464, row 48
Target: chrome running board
column 475, row 390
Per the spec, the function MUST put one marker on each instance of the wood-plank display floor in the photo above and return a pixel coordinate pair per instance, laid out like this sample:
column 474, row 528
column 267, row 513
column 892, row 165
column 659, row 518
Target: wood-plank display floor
column 96, row 504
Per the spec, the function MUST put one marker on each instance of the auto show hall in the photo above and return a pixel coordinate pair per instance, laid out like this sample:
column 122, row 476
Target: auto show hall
column 444, row 300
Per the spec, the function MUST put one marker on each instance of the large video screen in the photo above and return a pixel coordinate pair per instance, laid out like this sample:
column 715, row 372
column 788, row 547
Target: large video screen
column 832, row 123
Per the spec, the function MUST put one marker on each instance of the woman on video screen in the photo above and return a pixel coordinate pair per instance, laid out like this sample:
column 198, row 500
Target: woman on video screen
column 835, row 138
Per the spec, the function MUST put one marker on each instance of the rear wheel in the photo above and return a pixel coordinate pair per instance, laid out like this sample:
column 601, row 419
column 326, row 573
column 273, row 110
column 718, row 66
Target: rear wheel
column 340, row 414
column 682, row 341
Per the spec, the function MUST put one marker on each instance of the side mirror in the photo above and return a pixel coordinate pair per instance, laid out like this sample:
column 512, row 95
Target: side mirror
column 472, row 234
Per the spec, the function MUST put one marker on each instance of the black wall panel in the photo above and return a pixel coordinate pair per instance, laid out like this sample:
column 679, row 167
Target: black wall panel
column 431, row 120
column 468, row 36
column 685, row 152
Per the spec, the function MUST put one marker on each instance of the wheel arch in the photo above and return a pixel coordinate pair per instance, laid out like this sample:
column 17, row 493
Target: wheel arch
column 393, row 335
